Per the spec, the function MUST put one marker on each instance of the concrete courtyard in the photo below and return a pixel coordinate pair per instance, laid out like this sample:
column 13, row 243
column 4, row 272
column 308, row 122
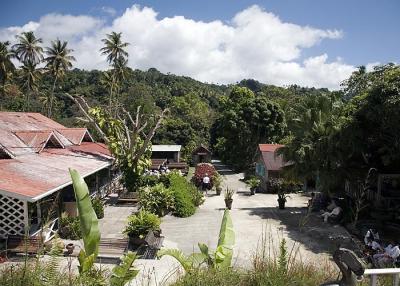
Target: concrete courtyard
column 257, row 221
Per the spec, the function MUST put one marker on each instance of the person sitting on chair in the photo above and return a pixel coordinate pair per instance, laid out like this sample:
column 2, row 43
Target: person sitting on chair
column 371, row 240
column 336, row 210
column 390, row 255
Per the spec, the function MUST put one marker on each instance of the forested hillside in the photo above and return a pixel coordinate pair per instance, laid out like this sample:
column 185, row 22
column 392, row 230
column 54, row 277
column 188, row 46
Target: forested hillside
column 327, row 134
column 194, row 105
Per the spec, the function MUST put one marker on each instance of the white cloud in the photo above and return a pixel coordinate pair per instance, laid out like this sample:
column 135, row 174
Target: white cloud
column 109, row 10
column 254, row 44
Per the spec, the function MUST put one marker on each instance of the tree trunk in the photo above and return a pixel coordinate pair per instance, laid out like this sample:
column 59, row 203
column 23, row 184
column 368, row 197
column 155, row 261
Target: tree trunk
column 50, row 103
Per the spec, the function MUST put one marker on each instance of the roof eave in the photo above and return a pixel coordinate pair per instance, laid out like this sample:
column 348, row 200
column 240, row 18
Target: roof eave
column 49, row 192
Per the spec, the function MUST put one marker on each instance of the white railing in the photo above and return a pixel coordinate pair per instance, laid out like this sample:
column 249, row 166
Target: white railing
column 373, row 274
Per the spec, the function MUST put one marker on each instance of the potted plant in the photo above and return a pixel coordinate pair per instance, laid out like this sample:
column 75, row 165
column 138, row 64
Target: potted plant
column 282, row 198
column 217, row 181
column 229, row 198
column 253, row 184
column 139, row 225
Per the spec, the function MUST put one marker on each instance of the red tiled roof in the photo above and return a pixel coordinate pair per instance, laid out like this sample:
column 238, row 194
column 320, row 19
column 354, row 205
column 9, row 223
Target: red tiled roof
column 272, row 161
column 38, row 168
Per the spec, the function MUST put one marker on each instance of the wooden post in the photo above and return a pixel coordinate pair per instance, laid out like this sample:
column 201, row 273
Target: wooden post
column 39, row 212
column 26, row 218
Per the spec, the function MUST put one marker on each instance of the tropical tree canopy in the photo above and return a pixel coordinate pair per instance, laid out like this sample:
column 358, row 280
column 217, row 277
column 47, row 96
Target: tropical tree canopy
column 6, row 65
column 28, row 48
column 114, row 48
column 245, row 121
column 58, row 58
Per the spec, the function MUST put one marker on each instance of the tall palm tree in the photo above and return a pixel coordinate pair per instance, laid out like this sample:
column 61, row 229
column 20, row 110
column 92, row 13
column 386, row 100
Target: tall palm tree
column 28, row 48
column 114, row 49
column 6, row 65
column 58, row 61
column 29, row 76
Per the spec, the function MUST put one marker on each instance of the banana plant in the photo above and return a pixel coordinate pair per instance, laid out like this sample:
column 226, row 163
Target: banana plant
column 123, row 273
column 88, row 221
column 221, row 258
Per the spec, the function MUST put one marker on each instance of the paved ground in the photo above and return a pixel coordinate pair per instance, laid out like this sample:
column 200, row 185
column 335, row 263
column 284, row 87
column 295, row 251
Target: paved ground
column 255, row 217
column 114, row 221
column 257, row 221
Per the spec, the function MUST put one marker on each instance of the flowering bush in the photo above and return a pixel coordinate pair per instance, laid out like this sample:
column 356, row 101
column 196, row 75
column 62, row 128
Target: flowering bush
column 201, row 170
column 279, row 185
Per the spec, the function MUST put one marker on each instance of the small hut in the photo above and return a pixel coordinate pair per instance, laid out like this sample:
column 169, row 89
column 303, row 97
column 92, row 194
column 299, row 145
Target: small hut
column 201, row 155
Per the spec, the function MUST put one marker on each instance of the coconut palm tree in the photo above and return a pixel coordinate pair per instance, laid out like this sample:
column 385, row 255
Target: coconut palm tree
column 114, row 48
column 29, row 76
column 28, row 48
column 116, row 54
column 6, row 65
column 58, row 61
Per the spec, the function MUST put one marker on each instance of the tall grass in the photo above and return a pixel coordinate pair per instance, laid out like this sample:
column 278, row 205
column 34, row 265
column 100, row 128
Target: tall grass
column 271, row 266
column 37, row 272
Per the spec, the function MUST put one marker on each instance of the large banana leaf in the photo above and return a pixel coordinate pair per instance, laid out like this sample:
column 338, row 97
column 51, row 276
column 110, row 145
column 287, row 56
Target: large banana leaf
column 188, row 263
column 226, row 241
column 85, row 261
column 123, row 273
column 87, row 216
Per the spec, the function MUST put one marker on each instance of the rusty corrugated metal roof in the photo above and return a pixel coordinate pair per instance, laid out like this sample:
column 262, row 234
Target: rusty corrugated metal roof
column 271, row 159
column 42, row 151
column 75, row 135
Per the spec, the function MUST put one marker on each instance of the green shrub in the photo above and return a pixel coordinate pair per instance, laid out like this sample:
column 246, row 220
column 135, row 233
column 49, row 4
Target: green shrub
column 70, row 227
column 184, row 206
column 165, row 180
column 158, row 200
column 139, row 224
column 279, row 185
column 184, row 200
column 196, row 195
column 98, row 207
column 149, row 180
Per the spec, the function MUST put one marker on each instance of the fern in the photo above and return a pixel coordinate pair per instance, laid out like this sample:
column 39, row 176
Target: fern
column 50, row 274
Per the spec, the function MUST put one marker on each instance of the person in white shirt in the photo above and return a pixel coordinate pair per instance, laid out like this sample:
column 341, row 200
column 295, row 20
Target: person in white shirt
column 390, row 255
column 371, row 235
column 336, row 210
column 371, row 240
column 206, row 182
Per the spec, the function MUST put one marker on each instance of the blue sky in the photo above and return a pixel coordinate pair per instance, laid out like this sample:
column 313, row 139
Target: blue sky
column 368, row 29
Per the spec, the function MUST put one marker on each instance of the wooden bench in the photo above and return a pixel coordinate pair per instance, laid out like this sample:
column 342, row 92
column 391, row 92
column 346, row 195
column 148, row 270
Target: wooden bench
column 21, row 244
column 129, row 197
column 153, row 243
column 112, row 247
